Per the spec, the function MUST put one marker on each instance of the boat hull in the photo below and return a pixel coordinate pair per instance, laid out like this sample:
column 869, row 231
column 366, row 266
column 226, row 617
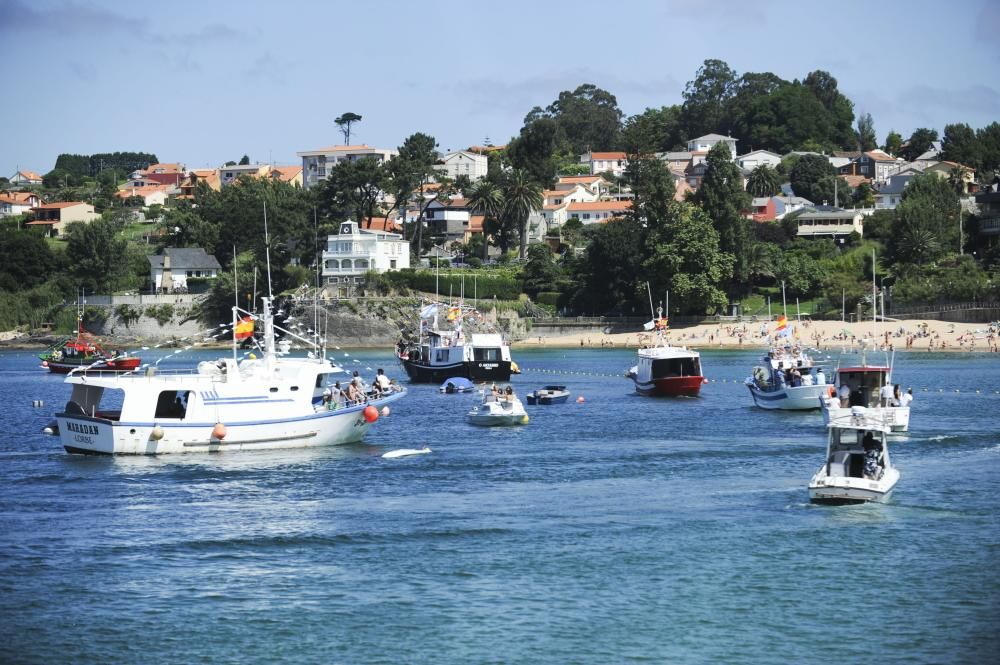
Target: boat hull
column 493, row 420
column 114, row 365
column 897, row 417
column 849, row 490
column 102, row 436
column 673, row 386
column 801, row 398
column 421, row 372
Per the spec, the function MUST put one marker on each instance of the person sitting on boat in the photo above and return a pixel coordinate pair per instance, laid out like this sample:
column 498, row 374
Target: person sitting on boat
column 354, row 392
column 873, row 470
column 509, row 394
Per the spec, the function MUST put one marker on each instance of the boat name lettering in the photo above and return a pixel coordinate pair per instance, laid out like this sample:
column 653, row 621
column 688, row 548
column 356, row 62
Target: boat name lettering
column 79, row 438
column 488, row 365
column 82, row 429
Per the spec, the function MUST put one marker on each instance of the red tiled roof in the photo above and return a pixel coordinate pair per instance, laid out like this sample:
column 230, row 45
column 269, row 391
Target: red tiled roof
column 476, row 223
column 383, row 224
column 61, row 204
column 607, row 155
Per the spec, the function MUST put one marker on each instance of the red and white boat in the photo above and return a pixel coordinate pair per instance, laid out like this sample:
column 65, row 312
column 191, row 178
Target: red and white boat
column 665, row 370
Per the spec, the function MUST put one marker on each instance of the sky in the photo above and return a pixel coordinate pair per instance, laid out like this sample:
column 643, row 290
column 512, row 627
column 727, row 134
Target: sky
column 205, row 82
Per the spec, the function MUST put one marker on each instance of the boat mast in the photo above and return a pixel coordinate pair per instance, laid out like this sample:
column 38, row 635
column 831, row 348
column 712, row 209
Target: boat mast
column 236, row 305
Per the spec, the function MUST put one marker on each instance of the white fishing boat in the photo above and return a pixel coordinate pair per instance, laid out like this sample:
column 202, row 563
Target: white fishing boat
column 498, row 410
column 863, row 385
column 787, row 379
column 275, row 401
column 858, row 468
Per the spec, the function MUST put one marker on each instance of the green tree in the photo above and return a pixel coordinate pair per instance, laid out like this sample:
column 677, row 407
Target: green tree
column 812, row 178
column 724, row 201
column 486, row 198
column 893, row 143
column 534, row 150
column 790, row 118
column 960, row 145
column 866, row 133
column 344, row 122
column 588, row 118
column 706, row 99
column 989, row 151
column 354, row 186
column 413, row 166
column 839, row 107
column 684, row 258
column 184, row 227
column 763, row 181
column 652, row 189
column 958, row 178
column 919, row 143
column 28, row 260
column 653, row 130
column 541, row 272
column 611, row 269
column 522, row 196
column 94, row 254
column 926, row 226
column 244, row 160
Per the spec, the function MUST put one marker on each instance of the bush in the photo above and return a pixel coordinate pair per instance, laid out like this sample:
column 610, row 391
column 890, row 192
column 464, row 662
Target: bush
column 128, row 314
column 474, row 261
column 162, row 313
column 198, row 284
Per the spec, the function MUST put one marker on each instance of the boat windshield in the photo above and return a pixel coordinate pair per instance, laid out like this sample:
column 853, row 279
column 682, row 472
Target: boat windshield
column 676, row 367
column 486, row 354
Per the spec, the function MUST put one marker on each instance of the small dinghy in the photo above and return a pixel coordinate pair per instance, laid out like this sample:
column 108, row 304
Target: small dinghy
column 548, row 395
column 498, row 409
column 456, row 384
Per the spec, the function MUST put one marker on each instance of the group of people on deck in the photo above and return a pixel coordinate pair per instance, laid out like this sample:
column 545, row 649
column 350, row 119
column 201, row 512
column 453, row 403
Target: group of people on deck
column 357, row 391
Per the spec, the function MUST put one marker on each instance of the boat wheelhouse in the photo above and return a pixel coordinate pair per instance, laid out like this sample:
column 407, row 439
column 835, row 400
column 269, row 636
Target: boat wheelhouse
column 861, row 385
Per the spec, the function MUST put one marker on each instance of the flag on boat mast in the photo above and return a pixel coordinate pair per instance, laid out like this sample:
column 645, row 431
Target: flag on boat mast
column 243, row 328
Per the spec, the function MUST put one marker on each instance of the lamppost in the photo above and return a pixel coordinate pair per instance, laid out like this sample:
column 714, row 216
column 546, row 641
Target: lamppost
column 961, row 249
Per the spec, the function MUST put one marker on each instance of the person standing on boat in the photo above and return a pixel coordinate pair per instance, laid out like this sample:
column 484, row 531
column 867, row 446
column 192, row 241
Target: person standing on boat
column 872, row 467
column 885, row 396
column 820, row 377
column 906, row 399
column 382, row 382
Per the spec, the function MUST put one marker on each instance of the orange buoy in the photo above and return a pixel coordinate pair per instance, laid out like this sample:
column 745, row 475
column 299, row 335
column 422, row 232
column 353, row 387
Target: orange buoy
column 219, row 431
column 385, row 410
column 370, row 413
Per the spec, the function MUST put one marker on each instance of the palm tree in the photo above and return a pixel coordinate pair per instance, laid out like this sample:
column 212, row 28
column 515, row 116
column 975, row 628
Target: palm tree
column 763, row 181
column 486, row 198
column 958, row 178
column 522, row 196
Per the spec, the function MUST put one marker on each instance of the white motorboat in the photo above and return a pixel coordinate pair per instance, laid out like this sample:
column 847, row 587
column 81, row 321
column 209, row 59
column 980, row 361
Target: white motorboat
column 858, row 468
column 498, row 410
column 861, row 385
column 788, row 380
column 250, row 404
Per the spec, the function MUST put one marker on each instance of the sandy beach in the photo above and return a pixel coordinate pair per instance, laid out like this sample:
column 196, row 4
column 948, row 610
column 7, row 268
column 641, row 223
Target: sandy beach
column 906, row 335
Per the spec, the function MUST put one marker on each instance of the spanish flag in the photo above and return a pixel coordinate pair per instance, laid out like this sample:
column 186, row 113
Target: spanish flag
column 454, row 313
column 782, row 323
column 661, row 323
column 243, row 328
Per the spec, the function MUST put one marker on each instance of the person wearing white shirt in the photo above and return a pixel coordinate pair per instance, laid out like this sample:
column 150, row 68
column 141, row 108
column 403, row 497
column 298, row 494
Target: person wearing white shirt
column 906, row 398
column 886, row 395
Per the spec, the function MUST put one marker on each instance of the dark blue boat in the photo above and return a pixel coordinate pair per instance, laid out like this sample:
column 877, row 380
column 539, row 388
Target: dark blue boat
column 548, row 395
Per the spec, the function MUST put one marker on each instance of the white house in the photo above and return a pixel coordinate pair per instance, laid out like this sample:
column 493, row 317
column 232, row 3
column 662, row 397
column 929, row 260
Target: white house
column 889, row 194
column 229, row 174
column 462, row 162
column 353, row 252
column 832, row 223
column 709, row 141
column 316, row 164
column 593, row 212
column 171, row 270
column 756, row 158
column 25, row 178
column 600, row 162
column 10, row 206
column 594, row 183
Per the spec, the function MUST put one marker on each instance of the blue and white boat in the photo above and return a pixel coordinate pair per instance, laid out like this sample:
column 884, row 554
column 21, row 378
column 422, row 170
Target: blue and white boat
column 788, row 380
column 251, row 404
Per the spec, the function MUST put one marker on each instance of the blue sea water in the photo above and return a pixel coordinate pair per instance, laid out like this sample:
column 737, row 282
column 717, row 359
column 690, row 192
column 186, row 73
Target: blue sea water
column 622, row 529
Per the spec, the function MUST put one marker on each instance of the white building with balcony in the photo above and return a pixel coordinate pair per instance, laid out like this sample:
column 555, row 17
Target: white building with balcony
column 353, row 252
column 832, row 223
column 462, row 162
column 316, row 164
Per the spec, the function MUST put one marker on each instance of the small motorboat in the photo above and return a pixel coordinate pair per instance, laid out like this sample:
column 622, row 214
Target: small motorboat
column 457, row 384
column 548, row 395
column 857, row 468
column 498, row 410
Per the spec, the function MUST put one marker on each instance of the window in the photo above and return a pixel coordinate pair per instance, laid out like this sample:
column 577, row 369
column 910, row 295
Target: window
column 490, row 355
column 392, row 264
column 172, row 404
column 190, row 273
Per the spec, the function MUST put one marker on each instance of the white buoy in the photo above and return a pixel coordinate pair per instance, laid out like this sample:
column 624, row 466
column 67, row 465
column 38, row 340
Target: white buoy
column 385, row 410
column 406, row 452
column 157, row 433
column 580, row 400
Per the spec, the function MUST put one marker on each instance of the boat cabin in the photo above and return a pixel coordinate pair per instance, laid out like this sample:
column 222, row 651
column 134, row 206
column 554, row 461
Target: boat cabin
column 864, row 383
column 856, row 452
column 669, row 367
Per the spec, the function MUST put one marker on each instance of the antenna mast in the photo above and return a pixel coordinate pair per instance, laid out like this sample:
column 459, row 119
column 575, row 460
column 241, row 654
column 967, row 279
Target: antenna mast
column 267, row 253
